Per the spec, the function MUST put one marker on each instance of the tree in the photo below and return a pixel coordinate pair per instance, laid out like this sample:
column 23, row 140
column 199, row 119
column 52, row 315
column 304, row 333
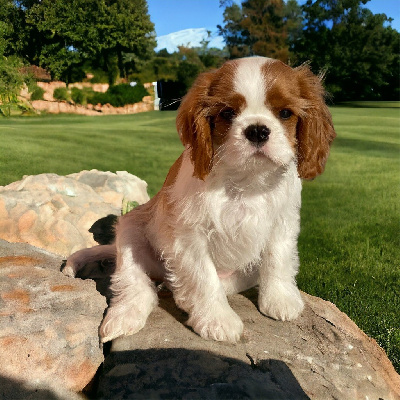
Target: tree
column 12, row 79
column 357, row 48
column 293, row 17
column 258, row 27
column 74, row 31
column 233, row 32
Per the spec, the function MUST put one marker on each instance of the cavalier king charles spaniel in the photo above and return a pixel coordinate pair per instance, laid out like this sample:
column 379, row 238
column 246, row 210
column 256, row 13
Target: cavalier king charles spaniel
column 228, row 215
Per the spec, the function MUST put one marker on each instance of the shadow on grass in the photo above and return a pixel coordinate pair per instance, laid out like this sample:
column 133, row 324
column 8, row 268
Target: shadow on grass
column 368, row 147
column 368, row 104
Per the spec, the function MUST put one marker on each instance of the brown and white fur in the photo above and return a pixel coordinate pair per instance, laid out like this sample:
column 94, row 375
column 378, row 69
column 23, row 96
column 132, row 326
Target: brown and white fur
column 228, row 215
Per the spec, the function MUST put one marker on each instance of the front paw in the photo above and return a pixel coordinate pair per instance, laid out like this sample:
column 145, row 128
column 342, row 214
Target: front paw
column 126, row 317
column 222, row 324
column 281, row 301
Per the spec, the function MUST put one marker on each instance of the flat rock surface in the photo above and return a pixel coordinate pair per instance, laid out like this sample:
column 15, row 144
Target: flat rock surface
column 56, row 212
column 321, row 355
column 49, row 341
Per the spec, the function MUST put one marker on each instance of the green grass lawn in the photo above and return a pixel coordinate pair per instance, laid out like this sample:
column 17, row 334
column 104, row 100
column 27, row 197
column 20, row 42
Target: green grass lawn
column 349, row 243
column 144, row 144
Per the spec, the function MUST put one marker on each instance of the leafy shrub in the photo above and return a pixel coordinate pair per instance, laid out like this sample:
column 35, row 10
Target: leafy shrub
column 97, row 98
column 61, row 94
column 12, row 79
column 187, row 73
column 37, row 93
column 120, row 95
column 100, row 76
column 81, row 96
column 126, row 94
column 77, row 96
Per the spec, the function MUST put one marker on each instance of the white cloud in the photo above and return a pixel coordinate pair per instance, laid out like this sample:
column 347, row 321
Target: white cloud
column 189, row 38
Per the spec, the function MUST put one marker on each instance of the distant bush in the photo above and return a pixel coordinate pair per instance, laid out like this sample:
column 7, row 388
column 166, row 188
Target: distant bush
column 81, row 96
column 61, row 94
column 99, row 76
column 77, row 96
column 37, row 93
column 119, row 95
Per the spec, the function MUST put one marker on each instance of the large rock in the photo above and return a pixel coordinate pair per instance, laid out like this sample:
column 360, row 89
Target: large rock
column 49, row 341
column 56, row 212
column 321, row 355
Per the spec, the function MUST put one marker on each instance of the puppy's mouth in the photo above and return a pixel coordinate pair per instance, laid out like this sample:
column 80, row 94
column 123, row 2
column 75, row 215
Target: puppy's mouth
column 262, row 155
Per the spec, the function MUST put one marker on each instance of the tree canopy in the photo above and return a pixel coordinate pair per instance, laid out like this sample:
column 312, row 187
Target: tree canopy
column 115, row 39
column 260, row 27
column 60, row 35
column 358, row 50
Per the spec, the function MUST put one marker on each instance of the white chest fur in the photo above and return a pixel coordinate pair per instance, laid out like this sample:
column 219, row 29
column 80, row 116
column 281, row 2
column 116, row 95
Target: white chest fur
column 234, row 226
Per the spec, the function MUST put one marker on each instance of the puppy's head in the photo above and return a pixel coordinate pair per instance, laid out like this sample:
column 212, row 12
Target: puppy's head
column 256, row 111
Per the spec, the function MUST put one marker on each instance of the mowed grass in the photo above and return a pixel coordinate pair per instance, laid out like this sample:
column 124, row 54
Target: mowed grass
column 145, row 144
column 350, row 237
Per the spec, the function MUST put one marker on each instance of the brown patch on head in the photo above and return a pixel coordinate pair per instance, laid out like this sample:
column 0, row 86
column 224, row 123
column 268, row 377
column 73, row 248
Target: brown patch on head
column 204, row 118
column 283, row 94
column 309, row 128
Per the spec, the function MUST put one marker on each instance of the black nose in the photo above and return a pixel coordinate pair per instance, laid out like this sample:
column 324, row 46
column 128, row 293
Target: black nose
column 257, row 134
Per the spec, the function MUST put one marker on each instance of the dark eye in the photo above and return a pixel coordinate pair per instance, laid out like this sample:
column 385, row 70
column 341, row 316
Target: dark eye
column 228, row 114
column 285, row 113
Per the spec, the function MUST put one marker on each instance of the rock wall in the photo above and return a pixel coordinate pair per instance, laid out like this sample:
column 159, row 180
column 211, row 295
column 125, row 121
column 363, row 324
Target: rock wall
column 51, row 106
column 57, row 107
column 49, row 88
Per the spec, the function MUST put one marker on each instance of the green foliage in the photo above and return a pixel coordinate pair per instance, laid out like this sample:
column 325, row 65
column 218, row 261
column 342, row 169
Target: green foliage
column 12, row 35
column 183, row 65
column 115, row 40
column 261, row 27
column 187, row 72
column 356, row 47
column 99, row 76
column 119, row 95
column 11, row 78
column 128, row 206
column 61, row 35
column 80, row 96
column 37, row 93
column 232, row 31
column 61, row 94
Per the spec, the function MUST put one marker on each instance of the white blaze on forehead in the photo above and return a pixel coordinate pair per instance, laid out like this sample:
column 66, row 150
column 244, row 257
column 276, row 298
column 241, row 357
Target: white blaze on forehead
column 250, row 82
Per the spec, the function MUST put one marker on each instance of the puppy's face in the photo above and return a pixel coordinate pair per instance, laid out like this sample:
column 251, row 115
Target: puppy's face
column 256, row 111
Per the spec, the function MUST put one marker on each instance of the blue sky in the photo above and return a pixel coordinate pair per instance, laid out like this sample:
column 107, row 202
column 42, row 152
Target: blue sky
column 174, row 15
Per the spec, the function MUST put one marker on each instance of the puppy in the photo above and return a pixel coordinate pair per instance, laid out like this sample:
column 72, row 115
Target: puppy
column 228, row 215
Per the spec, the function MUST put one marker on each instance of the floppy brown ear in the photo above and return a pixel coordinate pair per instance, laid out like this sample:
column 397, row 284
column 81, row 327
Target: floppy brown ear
column 194, row 127
column 315, row 131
